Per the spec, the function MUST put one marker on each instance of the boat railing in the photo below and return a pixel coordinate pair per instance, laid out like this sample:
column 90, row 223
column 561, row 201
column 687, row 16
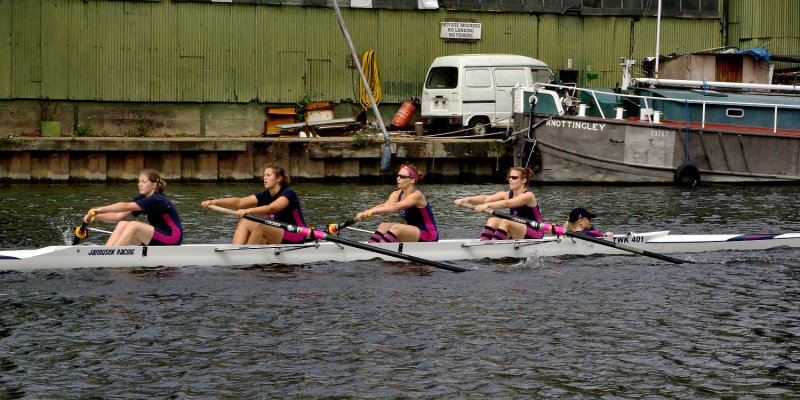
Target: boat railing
column 644, row 102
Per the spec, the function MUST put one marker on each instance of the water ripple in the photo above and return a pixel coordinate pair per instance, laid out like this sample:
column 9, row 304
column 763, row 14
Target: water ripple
column 571, row 327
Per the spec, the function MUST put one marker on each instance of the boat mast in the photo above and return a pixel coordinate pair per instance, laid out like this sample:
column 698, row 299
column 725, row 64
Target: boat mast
column 386, row 155
column 658, row 38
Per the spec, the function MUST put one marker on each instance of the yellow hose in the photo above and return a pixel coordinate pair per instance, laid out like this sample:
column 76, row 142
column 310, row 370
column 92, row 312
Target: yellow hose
column 370, row 66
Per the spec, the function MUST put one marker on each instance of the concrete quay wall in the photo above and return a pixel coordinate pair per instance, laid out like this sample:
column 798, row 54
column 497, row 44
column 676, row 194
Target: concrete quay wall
column 99, row 159
column 64, row 118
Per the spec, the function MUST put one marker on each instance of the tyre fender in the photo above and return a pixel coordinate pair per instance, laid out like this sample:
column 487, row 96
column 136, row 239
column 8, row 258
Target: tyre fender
column 687, row 175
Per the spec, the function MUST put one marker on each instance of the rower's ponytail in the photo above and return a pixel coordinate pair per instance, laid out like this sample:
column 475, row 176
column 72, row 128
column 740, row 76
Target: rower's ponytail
column 153, row 176
column 286, row 180
column 524, row 172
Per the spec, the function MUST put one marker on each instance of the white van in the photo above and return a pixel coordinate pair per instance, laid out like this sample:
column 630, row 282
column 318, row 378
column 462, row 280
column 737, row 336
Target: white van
column 474, row 90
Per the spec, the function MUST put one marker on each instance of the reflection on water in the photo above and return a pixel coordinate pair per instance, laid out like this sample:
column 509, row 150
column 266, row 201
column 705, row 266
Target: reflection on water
column 570, row 327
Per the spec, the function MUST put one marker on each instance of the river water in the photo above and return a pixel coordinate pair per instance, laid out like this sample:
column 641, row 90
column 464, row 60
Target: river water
column 570, row 327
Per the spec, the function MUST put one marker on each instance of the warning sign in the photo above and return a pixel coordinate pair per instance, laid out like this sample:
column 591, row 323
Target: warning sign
column 461, row 30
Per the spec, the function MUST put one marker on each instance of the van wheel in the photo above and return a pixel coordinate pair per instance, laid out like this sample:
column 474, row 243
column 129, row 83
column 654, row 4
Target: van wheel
column 479, row 125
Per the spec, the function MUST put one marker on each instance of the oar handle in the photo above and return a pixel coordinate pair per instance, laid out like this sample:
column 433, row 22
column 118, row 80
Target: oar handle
column 222, row 209
column 558, row 230
column 320, row 235
column 335, row 229
column 81, row 232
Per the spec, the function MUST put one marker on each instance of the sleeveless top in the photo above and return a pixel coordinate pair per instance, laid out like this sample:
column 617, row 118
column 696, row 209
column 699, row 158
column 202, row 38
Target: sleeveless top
column 162, row 215
column 531, row 213
column 292, row 214
column 422, row 218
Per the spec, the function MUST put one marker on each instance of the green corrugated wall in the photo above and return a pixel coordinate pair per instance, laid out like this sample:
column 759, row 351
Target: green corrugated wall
column 771, row 24
column 200, row 52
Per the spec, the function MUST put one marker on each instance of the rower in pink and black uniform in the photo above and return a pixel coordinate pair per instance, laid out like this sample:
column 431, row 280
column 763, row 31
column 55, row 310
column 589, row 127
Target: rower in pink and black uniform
column 520, row 201
column 414, row 208
column 278, row 202
column 164, row 223
column 580, row 221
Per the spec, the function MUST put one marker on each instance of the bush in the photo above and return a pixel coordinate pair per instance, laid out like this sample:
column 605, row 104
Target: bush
column 84, row 130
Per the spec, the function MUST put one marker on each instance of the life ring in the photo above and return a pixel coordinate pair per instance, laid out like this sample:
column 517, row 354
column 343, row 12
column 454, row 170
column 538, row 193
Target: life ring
column 687, row 175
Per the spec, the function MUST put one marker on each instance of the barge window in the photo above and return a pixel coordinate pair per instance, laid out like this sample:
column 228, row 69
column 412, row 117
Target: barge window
column 734, row 113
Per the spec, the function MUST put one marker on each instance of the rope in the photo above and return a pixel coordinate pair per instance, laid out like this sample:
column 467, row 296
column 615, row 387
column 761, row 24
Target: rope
column 526, row 131
column 370, row 66
column 688, row 133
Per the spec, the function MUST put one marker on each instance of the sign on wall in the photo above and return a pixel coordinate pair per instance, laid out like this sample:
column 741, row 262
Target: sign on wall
column 460, row 30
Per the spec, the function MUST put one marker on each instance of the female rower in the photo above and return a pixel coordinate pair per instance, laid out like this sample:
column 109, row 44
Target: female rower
column 164, row 223
column 278, row 202
column 521, row 202
column 580, row 221
column 413, row 207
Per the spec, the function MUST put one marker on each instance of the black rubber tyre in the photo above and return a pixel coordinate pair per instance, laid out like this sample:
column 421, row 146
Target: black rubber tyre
column 687, row 175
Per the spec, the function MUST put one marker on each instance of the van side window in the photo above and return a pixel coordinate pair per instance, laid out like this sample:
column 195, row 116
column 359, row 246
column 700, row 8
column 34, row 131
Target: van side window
column 509, row 77
column 478, row 77
column 442, row 78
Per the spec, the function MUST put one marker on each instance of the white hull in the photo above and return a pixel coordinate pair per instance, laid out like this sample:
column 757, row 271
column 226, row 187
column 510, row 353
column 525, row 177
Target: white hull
column 70, row 257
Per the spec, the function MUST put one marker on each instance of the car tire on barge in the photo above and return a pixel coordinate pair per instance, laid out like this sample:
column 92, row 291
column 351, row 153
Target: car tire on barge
column 687, row 175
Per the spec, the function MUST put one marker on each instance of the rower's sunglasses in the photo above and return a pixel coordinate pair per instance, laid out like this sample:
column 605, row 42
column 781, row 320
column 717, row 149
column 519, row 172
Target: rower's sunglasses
column 400, row 176
column 512, row 177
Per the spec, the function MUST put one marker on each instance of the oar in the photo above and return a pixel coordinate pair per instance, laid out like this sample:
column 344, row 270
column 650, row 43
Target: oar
column 334, row 229
column 558, row 230
column 320, row 235
column 81, row 232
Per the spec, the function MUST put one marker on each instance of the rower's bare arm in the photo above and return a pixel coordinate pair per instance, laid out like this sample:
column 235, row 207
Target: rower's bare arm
column 496, row 201
column 112, row 212
column 415, row 199
column 480, row 199
column 232, row 202
column 277, row 205
column 524, row 199
column 386, row 207
column 112, row 217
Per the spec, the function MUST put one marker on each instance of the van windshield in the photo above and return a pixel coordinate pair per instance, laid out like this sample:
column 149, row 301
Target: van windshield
column 542, row 75
column 442, row 78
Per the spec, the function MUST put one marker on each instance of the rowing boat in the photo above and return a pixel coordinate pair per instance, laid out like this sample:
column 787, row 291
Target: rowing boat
column 93, row 256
